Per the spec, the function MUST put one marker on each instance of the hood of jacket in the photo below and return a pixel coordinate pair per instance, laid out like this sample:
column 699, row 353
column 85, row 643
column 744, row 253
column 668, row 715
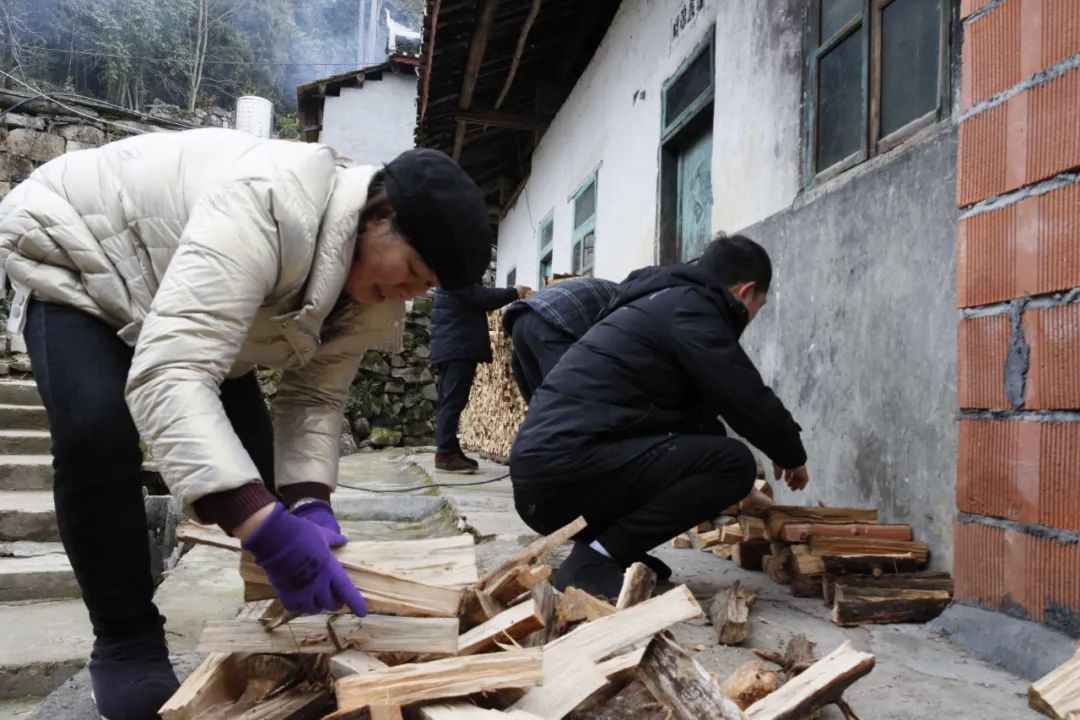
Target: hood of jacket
column 651, row 280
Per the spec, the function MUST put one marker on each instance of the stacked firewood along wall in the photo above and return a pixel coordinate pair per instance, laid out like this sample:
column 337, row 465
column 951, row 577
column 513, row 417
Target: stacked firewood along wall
column 867, row 571
column 490, row 422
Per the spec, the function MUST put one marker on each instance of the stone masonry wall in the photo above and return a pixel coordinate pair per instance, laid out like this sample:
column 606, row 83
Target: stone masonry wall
column 393, row 396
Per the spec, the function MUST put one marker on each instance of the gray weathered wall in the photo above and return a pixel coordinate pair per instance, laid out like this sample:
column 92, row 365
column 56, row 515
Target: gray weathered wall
column 859, row 336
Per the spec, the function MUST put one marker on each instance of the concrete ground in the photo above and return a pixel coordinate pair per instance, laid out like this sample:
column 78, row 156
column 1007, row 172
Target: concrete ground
column 918, row 674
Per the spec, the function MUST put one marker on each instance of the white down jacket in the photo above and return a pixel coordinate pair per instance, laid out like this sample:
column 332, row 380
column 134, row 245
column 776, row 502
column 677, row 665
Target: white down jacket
column 210, row 251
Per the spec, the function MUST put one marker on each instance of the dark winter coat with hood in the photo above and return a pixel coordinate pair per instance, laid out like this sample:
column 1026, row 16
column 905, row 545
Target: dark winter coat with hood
column 459, row 326
column 665, row 359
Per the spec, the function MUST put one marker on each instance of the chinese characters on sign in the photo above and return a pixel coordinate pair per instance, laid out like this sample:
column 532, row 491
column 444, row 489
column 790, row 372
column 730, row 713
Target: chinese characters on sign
column 688, row 11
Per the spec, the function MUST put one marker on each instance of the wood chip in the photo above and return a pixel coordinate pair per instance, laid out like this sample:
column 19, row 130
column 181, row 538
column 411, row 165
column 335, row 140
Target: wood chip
column 729, row 612
column 638, row 585
column 822, row 683
column 804, row 532
column 311, row 635
column 865, row 606
column 450, row 677
column 680, row 683
column 750, row 683
column 780, row 515
column 1057, row 694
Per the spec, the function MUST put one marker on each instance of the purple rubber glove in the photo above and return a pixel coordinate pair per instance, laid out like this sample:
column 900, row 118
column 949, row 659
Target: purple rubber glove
column 321, row 515
column 304, row 572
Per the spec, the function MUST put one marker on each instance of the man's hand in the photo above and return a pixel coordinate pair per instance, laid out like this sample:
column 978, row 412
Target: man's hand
column 756, row 503
column 523, row 292
column 796, row 479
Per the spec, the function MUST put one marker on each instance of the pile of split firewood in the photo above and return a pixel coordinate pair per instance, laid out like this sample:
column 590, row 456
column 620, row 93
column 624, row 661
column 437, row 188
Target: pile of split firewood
column 866, row 571
column 442, row 643
column 495, row 410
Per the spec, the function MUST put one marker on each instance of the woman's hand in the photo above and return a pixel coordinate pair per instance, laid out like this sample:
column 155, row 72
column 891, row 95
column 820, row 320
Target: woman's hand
column 296, row 556
column 321, row 515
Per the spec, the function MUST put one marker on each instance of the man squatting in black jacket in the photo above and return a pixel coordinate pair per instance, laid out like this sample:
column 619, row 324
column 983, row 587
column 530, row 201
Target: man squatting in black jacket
column 626, row 429
column 459, row 342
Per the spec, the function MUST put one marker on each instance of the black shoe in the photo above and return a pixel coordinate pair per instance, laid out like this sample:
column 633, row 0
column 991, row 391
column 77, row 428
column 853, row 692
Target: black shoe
column 132, row 678
column 590, row 571
column 658, row 566
column 469, row 460
column 455, row 462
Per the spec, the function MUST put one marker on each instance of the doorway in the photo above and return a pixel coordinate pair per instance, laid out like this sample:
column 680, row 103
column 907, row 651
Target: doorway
column 686, row 158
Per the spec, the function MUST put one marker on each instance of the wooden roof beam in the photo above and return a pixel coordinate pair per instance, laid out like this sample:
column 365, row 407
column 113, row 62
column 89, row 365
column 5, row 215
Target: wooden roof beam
column 526, row 26
column 513, row 121
column 477, row 48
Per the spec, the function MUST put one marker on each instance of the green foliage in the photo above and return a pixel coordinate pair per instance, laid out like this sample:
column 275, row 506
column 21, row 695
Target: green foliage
column 287, row 126
column 184, row 52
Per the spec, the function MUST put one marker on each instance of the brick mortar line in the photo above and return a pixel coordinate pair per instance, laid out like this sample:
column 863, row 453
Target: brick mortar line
column 984, row 11
column 1045, row 301
column 1043, row 416
column 1065, row 537
column 1040, row 78
column 1043, row 187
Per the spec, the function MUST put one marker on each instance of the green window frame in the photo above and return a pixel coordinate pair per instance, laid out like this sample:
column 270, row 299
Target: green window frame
column 690, row 88
column 583, row 239
column 686, row 109
column 546, row 237
column 865, row 40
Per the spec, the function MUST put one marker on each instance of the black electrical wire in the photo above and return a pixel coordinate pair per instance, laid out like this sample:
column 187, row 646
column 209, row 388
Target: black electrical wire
column 425, row 487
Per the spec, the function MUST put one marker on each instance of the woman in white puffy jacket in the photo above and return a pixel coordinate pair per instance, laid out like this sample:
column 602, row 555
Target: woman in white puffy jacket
column 152, row 275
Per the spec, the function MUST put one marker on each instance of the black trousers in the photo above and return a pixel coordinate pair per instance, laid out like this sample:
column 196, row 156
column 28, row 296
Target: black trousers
column 682, row 481
column 81, row 367
column 538, row 345
column 454, row 383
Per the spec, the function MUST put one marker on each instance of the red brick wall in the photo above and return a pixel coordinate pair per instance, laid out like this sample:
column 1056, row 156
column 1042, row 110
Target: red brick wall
column 1017, row 544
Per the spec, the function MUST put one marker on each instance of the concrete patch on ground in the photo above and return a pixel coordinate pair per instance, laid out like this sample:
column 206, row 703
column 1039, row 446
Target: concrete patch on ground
column 43, row 645
column 205, row 585
column 18, row 709
column 1026, row 648
column 401, row 508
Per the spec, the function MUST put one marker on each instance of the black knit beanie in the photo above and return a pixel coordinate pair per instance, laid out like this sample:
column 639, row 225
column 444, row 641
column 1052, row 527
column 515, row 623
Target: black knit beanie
column 443, row 214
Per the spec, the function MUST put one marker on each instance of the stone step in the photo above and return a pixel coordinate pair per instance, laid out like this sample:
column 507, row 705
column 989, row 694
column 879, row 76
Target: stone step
column 25, row 442
column 25, row 472
column 43, row 645
column 28, row 516
column 19, row 392
column 35, row 571
column 19, row 417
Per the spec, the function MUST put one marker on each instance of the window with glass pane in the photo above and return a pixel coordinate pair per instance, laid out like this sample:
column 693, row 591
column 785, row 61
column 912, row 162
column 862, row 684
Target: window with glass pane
column 547, row 234
column 692, row 84
column 585, row 205
column 840, row 102
column 545, row 270
column 835, row 14
column 584, row 240
column 858, row 103
column 910, row 49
